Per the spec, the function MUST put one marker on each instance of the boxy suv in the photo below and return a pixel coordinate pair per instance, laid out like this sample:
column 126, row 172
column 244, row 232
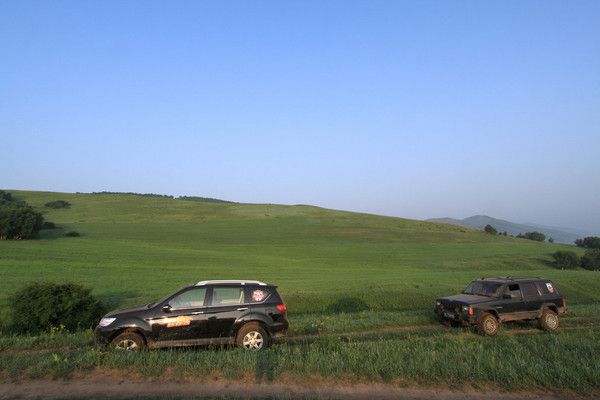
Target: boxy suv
column 487, row 302
column 247, row 313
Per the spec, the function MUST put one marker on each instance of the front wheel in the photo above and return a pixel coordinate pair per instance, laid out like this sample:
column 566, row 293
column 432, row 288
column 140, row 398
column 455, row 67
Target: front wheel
column 487, row 325
column 252, row 337
column 548, row 321
column 128, row 341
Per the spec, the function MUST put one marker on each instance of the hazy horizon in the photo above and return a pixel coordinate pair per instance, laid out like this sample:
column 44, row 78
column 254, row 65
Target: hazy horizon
column 418, row 110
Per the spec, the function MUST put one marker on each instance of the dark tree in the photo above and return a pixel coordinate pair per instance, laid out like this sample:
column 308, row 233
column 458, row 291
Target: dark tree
column 550, row 240
column 590, row 242
column 537, row 236
column 490, row 229
column 5, row 196
column 591, row 260
column 566, row 259
column 18, row 220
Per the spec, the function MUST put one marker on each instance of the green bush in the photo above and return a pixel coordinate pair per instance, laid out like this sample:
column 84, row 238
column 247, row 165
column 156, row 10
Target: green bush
column 591, row 260
column 72, row 234
column 566, row 259
column 58, row 204
column 535, row 235
column 18, row 220
column 41, row 307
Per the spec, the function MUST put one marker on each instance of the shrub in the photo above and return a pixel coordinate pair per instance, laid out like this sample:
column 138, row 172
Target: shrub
column 490, row 229
column 72, row 234
column 566, row 259
column 18, row 220
column 40, row 307
column 58, row 204
column 590, row 242
column 537, row 236
column 591, row 260
column 5, row 196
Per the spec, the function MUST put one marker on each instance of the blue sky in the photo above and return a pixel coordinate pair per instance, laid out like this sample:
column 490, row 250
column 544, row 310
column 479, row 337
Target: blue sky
column 414, row 109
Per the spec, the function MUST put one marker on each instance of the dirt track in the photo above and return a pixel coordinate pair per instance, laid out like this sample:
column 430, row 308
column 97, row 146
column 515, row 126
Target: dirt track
column 111, row 388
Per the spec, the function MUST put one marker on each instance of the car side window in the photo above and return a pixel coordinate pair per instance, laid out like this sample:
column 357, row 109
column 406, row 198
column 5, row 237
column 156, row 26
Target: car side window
column 189, row 299
column 513, row 290
column 224, row 296
column 530, row 290
column 545, row 288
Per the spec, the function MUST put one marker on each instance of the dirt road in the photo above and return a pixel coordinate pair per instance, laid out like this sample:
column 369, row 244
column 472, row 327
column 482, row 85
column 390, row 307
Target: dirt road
column 109, row 387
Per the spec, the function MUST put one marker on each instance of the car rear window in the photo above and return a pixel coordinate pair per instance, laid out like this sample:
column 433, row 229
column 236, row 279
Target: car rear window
column 529, row 289
column 546, row 288
column 257, row 294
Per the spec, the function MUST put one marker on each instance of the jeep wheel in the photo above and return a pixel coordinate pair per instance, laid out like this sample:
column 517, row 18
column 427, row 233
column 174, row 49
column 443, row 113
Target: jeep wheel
column 549, row 320
column 487, row 325
column 128, row 341
column 252, row 337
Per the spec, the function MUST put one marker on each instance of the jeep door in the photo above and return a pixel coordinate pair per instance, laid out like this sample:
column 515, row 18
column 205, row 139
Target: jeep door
column 183, row 317
column 225, row 307
column 533, row 300
column 513, row 305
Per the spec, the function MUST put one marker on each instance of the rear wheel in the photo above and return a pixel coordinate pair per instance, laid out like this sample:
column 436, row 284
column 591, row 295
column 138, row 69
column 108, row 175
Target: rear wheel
column 549, row 320
column 128, row 341
column 487, row 325
column 252, row 337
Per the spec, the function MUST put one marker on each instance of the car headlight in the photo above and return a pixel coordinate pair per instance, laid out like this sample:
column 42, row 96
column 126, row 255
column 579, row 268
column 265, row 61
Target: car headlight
column 438, row 303
column 106, row 321
column 465, row 309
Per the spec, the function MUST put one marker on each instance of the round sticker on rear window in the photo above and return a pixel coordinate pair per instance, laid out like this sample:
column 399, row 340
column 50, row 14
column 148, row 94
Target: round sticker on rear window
column 258, row 295
column 550, row 287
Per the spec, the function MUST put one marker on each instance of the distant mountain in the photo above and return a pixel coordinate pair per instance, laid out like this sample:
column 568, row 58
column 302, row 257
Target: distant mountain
column 560, row 235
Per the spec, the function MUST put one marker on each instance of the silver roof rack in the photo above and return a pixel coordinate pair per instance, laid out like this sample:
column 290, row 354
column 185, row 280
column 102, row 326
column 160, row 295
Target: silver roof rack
column 235, row 282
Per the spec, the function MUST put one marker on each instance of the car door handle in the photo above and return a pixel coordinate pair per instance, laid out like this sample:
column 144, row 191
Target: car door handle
column 242, row 308
column 198, row 312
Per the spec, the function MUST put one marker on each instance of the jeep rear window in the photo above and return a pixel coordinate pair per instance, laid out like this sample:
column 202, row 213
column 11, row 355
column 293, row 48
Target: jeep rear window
column 256, row 294
column 545, row 288
column 481, row 288
column 529, row 289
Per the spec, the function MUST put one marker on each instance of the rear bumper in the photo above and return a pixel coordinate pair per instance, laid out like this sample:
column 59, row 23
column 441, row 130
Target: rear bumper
column 279, row 330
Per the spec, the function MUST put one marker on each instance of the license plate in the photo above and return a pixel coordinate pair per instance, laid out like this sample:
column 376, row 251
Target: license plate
column 448, row 315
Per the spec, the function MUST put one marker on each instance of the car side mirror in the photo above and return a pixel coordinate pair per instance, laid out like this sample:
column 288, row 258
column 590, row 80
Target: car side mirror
column 166, row 308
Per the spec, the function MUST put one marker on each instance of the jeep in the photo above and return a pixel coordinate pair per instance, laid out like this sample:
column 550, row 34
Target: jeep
column 487, row 302
column 246, row 313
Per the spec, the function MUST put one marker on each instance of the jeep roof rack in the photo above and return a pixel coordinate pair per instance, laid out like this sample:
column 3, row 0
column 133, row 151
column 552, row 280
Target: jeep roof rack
column 235, row 282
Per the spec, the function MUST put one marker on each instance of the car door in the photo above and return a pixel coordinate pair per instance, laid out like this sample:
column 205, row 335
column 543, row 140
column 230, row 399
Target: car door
column 227, row 304
column 183, row 317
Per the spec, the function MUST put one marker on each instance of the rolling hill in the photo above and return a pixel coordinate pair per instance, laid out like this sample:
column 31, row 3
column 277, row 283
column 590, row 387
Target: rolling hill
column 560, row 235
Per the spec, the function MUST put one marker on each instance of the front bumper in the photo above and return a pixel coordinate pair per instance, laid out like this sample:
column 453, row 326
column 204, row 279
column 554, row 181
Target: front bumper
column 454, row 314
column 103, row 335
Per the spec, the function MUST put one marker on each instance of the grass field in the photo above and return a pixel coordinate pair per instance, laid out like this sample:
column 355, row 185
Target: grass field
column 136, row 249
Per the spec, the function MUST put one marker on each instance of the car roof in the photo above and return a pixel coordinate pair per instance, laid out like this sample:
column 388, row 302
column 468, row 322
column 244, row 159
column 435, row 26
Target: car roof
column 240, row 282
column 512, row 279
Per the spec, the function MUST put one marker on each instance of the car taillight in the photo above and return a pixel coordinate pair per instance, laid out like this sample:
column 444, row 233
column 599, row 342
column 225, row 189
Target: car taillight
column 471, row 311
column 281, row 307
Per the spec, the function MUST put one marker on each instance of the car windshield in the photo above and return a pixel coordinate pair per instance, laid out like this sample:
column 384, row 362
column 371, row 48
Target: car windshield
column 480, row 288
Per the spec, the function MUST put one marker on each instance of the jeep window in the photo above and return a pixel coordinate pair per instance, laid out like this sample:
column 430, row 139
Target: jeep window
column 481, row 288
column 513, row 290
column 530, row 290
column 225, row 296
column 545, row 288
column 189, row 299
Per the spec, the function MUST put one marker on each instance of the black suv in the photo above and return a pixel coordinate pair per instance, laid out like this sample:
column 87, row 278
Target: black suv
column 487, row 302
column 247, row 313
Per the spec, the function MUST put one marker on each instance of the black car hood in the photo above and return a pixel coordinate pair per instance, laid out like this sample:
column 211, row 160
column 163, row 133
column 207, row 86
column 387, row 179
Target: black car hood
column 465, row 299
column 127, row 311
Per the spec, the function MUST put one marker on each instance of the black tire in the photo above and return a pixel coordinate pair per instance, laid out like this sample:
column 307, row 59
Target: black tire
column 548, row 321
column 252, row 337
column 128, row 341
column 487, row 325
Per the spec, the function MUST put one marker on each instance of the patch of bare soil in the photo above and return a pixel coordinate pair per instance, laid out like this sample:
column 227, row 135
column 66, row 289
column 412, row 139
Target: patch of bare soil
column 115, row 386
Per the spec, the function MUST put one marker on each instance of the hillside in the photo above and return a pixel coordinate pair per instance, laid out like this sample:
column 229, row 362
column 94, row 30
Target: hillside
column 134, row 249
column 560, row 235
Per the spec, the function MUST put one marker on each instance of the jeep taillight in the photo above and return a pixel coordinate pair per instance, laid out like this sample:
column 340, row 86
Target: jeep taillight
column 471, row 311
column 281, row 307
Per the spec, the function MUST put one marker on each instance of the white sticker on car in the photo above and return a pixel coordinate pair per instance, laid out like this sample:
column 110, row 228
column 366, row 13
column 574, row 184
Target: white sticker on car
column 258, row 295
column 550, row 287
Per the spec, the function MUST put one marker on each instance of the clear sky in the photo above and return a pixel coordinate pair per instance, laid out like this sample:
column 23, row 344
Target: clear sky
column 415, row 109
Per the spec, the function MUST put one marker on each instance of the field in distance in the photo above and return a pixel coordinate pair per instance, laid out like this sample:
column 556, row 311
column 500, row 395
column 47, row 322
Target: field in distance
column 360, row 290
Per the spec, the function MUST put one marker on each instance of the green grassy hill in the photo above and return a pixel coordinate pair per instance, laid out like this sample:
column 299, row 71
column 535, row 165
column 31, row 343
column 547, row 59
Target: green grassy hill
column 134, row 249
